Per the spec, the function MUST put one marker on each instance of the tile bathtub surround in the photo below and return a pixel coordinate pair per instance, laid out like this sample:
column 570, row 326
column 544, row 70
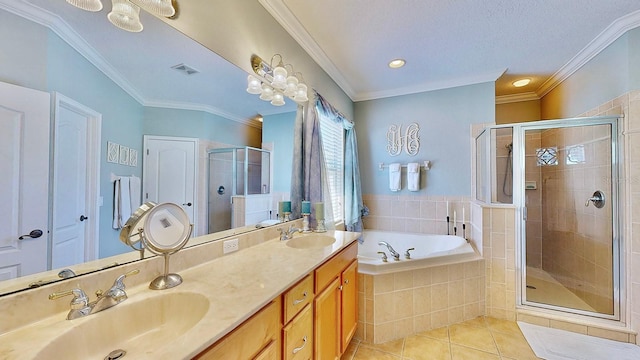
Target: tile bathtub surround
column 404, row 303
column 478, row 339
column 417, row 214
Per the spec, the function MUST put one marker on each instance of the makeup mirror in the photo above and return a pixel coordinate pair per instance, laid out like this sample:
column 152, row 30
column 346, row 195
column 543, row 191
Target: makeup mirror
column 164, row 229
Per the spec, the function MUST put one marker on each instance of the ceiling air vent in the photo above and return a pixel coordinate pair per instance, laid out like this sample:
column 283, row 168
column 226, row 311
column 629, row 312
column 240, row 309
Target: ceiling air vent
column 186, row 69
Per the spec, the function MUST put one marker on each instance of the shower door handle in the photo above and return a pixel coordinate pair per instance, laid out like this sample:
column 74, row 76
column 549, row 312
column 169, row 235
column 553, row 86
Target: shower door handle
column 597, row 199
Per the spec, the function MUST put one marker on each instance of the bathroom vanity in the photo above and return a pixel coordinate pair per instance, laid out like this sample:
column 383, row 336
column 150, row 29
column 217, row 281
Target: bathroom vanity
column 315, row 318
column 294, row 299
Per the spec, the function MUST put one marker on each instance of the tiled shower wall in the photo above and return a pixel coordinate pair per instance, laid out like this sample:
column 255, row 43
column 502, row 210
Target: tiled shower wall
column 576, row 239
column 629, row 105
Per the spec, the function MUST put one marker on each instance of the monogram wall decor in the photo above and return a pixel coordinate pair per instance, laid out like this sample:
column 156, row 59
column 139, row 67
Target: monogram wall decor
column 410, row 140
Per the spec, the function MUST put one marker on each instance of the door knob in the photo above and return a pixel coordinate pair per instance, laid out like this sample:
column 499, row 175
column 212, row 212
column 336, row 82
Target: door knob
column 83, row 218
column 33, row 234
column 187, row 204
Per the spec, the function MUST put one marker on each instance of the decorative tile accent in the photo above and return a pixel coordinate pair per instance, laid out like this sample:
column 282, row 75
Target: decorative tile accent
column 547, row 156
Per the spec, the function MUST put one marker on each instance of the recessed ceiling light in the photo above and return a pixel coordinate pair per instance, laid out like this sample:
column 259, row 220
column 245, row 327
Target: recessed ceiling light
column 397, row 63
column 521, row 82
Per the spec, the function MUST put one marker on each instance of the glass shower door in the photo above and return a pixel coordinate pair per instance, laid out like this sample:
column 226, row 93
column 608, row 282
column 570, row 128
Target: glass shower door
column 572, row 257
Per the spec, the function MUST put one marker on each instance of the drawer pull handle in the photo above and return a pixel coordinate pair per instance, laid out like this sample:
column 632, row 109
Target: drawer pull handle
column 298, row 301
column 304, row 343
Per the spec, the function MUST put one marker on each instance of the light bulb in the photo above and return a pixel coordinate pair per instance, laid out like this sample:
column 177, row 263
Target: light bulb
column 254, row 86
column 279, row 78
column 278, row 99
column 301, row 94
column 267, row 93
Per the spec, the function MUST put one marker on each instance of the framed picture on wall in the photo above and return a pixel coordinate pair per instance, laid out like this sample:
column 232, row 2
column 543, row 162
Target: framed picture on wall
column 133, row 157
column 124, row 155
column 113, row 152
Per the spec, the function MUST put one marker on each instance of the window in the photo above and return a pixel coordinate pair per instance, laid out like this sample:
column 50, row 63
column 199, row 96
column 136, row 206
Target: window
column 332, row 134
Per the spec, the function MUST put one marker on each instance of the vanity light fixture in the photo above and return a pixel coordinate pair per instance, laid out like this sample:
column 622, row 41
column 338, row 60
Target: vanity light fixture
column 521, row 82
column 125, row 14
column 274, row 81
column 397, row 63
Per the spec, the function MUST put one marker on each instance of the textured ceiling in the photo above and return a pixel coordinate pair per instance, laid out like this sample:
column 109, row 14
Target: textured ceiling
column 446, row 43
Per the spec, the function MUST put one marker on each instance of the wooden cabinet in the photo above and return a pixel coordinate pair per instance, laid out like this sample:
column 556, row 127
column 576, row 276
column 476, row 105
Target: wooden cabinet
column 349, row 305
column 316, row 318
column 336, row 304
column 297, row 336
column 256, row 338
column 327, row 322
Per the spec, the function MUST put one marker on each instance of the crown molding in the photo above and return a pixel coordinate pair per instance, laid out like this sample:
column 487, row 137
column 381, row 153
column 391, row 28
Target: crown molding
column 527, row 96
column 617, row 28
column 491, row 76
column 67, row 34
column 290, row 23
column 204, row 108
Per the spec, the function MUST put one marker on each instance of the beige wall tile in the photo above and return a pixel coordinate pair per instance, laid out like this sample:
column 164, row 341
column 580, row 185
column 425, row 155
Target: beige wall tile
column 563, row 325
column 608, row 334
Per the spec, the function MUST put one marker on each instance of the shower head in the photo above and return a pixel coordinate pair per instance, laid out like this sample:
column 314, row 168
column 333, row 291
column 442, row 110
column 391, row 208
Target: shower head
column 509, row 146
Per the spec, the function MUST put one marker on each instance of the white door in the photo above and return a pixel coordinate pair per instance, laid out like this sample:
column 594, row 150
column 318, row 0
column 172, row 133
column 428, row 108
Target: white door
column 24, row 180
column 169, row 172
column 76, row 158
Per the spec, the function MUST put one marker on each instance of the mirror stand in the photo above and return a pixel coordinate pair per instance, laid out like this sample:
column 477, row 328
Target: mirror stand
column 166, row 281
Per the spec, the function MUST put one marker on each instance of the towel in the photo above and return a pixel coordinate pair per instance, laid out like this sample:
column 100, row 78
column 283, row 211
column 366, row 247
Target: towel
column 394, row 177
column 135, row 186
column 413, row 176
column 121, row 202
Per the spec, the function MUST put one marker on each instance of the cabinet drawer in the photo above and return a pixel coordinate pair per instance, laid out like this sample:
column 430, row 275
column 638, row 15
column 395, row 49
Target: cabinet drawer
column 248, row 339
column 296, row 298
column 297, row 336
column 334, row 266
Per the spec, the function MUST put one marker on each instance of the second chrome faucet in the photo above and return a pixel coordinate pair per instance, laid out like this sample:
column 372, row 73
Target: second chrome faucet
column 80, row 305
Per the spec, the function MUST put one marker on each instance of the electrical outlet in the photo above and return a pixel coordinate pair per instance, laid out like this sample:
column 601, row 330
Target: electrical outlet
column 230, row 246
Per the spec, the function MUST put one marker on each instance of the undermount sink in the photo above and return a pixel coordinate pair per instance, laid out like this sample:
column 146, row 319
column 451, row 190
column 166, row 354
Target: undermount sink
column 313, row 241
column 133, row 326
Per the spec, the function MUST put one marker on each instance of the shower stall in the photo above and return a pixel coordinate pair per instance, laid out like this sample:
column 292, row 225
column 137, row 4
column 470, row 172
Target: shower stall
column 239, row 186
column 562, row 178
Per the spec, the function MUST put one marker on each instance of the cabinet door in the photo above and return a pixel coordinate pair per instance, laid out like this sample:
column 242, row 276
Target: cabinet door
column 327, row 322
column 349, row 304
column 269, row 353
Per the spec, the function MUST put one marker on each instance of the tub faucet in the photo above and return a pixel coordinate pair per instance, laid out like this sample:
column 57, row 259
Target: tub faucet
column 395, row 254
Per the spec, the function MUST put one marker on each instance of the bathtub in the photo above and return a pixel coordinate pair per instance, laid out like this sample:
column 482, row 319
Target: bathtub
column 430, row 250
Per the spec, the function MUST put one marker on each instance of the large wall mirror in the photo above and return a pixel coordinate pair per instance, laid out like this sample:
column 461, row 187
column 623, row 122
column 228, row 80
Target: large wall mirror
column 138, row 84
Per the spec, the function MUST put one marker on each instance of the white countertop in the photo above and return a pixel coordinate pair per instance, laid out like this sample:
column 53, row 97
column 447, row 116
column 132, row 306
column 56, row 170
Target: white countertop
column 236, row 285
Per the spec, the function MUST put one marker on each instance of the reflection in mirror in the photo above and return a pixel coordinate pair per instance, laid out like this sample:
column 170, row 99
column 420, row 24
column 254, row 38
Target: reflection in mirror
column 129, row 83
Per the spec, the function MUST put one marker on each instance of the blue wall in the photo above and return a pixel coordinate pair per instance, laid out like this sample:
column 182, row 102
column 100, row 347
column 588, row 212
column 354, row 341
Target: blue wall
column 445, row 118
column 279, row 130
column 189, row 123
column 37, row 58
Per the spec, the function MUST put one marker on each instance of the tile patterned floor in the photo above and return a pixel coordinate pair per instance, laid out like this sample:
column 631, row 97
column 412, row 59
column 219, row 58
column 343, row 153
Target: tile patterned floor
column 478, row 339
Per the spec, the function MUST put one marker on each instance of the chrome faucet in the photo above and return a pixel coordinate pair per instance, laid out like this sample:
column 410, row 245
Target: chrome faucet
column 287, row 234
column 113, row 296
column 80, row 305
column 394, row 253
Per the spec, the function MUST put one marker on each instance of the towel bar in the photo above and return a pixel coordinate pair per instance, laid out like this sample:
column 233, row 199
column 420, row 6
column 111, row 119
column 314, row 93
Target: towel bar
column 425, row 167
